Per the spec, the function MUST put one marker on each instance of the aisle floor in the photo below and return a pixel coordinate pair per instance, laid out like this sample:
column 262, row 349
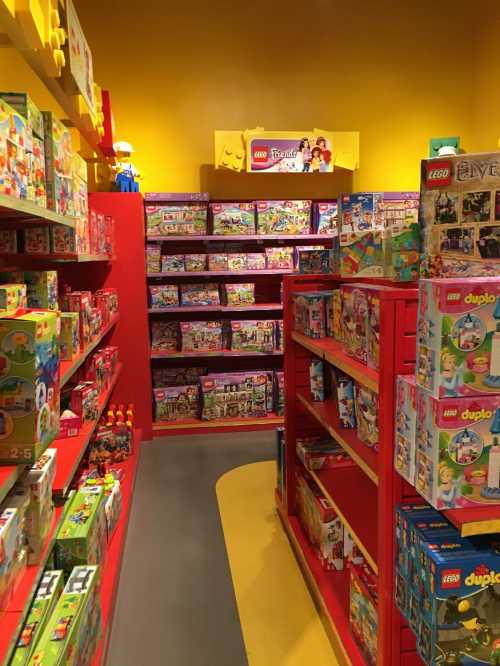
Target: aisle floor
column 176, row 602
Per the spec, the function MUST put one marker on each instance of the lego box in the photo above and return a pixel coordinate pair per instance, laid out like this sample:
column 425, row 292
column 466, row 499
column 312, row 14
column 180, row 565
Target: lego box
column 58, row 153
column 252, row 336
column 176, row 403
column 460, row 215
column 284, row 217
column 13, row 153
column 458, row 337
column 201, row 336
column 172, row 263
column 69, row 338
column 233, row 218
column 29, row 386
column 180, row 219
column 42, row 289
column 233, row 395
column 405, row 431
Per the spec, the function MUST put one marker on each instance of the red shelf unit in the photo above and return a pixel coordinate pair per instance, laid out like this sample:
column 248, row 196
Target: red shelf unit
column 224, row 352
column 199, row 427
column 210, row 274
column 364, row 496
column 186, row 309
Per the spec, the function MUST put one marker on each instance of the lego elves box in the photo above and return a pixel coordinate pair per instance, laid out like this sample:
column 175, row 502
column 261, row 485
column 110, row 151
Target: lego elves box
column 29, row 386
column 460, row 215
column 72, row 621
column 458, row 450
column 41, row 610
column 458, row 337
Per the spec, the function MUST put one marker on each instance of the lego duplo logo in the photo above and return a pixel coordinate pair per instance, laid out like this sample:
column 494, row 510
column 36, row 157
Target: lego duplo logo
column 476, row 414
column 451, row 578
column 482, row 576
column 480, row 299
column 260, row 154
column 438, row 173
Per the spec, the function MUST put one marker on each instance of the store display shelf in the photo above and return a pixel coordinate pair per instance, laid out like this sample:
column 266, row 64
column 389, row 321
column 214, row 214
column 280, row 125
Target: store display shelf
column 329, row 589
column 70, row 450
column 20, row 259
column 8, row 476
column 68, row 368
column 355, row 501
column 217, row 308
column 184, row 274
column 22, row 211
column 331, row 351
column 475, row 521
column 111, row 569
column 326, row 413
column 260, row 237
column 11, row 622
column 206, row 354
column 198, row 426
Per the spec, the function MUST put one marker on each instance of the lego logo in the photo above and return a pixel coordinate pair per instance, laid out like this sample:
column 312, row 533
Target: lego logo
column 438, row 173
column 451, row 578
column 260, row 154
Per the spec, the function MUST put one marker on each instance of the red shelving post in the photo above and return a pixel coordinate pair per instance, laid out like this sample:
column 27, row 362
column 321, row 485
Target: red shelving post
column 367, row 505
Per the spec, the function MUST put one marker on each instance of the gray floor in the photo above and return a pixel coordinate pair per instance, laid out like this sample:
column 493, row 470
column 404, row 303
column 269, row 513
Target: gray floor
column 176, row 603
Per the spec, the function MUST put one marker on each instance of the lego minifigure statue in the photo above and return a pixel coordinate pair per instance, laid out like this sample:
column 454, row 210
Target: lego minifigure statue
column 126, row 175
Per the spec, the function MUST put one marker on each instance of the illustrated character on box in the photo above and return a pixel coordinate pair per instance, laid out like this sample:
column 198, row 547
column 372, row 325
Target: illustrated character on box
column 316, row 159
column 495, row 653
column 125, row 172
column 480, row 632
column 449, row 488
column 451, row 376
column 305, row 152
column 326, row 154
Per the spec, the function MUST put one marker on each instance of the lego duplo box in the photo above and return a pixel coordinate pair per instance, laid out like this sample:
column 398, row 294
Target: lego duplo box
column 58, row 155
column 69, row 338
column 406, row 423
column 13, row 153
column 458, row 337
column 24, row 105
column 12, row 298
column 37, row 240
column 73, row 621
column 29, row 385
column 82, row 536
column 458, row 450
column 36, row 173
column 362, row 253
column 42, row 289
column 38, row 482
column 41, row 610
column 460, row 215
column 11, row 542
column 62, row 239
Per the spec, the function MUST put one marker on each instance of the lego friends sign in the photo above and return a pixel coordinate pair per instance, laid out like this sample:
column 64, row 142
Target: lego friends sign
column 290, row 152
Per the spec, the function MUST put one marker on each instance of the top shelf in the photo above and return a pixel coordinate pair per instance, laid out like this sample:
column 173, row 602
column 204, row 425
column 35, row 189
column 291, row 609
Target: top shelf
column 248, row 237
column 332, row 351
column 21, row 210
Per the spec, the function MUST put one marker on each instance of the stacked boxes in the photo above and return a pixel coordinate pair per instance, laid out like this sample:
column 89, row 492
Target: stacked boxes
column 363, row 609
column 58, row 155
column 174, row 219
column 309, row 313
column 13, row 152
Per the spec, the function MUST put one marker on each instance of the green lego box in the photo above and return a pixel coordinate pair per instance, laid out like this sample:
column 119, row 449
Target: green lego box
column 43, row 605
column 82, row 536
column 29, row 386
column 41, row 289
column 12, row 298
column 69, row 338
column 71, row 621
column 24, row 105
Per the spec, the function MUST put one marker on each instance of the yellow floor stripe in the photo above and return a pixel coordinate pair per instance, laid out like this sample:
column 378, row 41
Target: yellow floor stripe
column 279, row 621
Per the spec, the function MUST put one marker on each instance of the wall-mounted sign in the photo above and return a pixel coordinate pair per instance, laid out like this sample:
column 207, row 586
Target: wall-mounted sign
column 80, row 57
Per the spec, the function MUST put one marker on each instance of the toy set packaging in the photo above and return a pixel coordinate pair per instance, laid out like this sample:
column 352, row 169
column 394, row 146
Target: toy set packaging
column 69, row 424
column 24, row 105
column 280, row 258
column 48, row 592
column 233, row 218
column 321, row 524
column 318, row 453
column 217, row 261
column 345, row 400
column 403, row 252
column 164, row 296
column 458, row 450
column 317, row 380
column 280, row 335
column 406, row 424
column 176, row 403
column 325, row 218
column 13, row 153
column 283, row 217
column 153, row 258
column 81, row 539
column 62, row 239
column 201, row 336
column 8, row 241
column 182, row 219
column 200, row 294
column 12, row 298
column 195, row 262
column 279, row 392
column 177, row 376
column 41, row 289
column 373, row 331
column 309, row 313
column 29, row 386
column 233, row 395
column 84, row 400
column 256, row 261
column 460, row 215
column 253, row 336
column 314, row 261
column 458, row 337
column 75, row 624
column 240, row 294
column 165, row 336
column 362, row 253
column 236, row 261
column 58, row 155
column 12, row 548
column 112, row 442
column 363, row 613
column 366, row 406
column 36, row 191
column 81, row 302
column 172, row 263
column 355, row 321
column 334, row 328
column 37, row 240
column 365, row 212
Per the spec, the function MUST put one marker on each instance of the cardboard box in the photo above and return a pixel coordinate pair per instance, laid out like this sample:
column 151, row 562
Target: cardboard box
column 58, row 156
column 69, row 338
column 42, row 289
column 12, row 298
column 13, row 153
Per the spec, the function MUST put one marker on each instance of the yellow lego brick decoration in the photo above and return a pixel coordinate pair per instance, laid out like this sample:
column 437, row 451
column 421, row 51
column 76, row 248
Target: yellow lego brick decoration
column 229, row 150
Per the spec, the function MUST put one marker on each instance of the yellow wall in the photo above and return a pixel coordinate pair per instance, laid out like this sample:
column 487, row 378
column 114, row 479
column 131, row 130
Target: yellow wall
column 178, row 70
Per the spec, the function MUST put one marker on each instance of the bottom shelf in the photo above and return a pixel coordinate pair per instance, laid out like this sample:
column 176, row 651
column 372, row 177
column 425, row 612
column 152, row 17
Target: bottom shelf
column 197, row 426
column 110, row 574
column 329, row 590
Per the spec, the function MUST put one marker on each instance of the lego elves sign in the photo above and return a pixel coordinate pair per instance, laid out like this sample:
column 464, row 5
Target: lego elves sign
column 290, row 152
